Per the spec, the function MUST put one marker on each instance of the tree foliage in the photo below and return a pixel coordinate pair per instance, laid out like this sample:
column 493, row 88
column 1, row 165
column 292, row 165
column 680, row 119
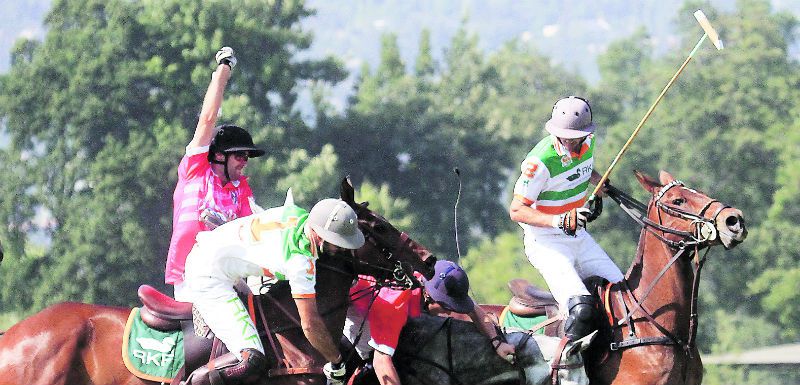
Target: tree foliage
column 98, row 113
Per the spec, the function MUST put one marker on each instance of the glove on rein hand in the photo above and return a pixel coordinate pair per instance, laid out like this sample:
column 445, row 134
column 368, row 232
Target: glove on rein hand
column 335, row 373
column 573, row 220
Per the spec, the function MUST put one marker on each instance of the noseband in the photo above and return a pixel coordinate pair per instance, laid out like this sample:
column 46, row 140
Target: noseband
column 705, row 230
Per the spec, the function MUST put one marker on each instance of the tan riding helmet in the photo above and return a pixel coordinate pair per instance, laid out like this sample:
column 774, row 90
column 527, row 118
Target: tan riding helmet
column 572, row 118
column 336, row 223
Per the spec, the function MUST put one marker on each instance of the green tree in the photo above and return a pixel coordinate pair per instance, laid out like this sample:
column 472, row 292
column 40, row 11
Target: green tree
column 424, row 65
column 444, row 116
column 776, row 242
column 100, row 111
column 494, row 262
column 721, row 128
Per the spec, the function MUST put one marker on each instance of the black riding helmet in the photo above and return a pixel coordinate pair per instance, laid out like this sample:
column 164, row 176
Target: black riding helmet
column 230, row 139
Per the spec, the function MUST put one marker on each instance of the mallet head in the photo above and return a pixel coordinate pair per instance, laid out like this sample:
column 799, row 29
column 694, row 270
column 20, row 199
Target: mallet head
column 712, row 34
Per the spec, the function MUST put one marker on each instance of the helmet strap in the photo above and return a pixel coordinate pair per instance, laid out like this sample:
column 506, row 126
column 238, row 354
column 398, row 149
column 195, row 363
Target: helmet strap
column 224, row 163
column 227, row 176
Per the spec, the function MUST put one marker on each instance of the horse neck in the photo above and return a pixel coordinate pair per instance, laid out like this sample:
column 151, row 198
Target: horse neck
column 333, row 288
column 670, row 299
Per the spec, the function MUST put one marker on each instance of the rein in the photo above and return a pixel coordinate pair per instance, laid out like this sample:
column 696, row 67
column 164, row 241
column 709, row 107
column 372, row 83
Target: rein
column 704, row 233
column 450, row 369
column 447, row 370
column 398, row 278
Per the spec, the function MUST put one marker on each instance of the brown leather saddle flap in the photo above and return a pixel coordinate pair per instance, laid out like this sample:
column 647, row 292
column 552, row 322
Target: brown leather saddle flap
column 529, row 300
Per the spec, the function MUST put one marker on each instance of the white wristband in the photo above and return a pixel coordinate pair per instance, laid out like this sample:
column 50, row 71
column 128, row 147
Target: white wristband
column 556, row 221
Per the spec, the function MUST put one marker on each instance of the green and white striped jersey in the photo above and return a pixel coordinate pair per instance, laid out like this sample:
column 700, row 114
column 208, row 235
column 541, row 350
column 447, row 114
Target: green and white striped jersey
column 552, row 179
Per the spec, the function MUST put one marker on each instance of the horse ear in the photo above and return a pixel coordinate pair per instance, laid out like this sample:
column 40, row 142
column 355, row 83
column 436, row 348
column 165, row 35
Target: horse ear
column 347, row 192
column 647, row 182
column 665, row 177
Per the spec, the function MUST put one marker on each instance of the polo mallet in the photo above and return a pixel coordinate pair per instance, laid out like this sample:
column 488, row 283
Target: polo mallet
column 708, row 32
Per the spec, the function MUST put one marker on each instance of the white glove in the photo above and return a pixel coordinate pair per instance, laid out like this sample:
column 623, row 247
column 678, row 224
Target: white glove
column 582, row 216
column 225, row 56
column 572, row 221
column 213, row 218
column 336, row 374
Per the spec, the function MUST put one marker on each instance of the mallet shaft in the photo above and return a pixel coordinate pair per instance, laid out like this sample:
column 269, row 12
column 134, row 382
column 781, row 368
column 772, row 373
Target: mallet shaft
column 646, row 116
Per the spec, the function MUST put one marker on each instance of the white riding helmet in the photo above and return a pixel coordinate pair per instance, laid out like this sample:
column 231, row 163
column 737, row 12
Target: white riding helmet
column 572, row 118
column 336, row 223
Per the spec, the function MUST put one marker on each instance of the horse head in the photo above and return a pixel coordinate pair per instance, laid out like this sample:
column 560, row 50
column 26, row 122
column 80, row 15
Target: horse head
column 692, row 216
column 402, row 256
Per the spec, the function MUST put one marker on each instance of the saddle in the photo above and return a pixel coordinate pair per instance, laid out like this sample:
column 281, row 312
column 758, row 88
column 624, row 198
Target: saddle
column 529, row 301
column 162, row 312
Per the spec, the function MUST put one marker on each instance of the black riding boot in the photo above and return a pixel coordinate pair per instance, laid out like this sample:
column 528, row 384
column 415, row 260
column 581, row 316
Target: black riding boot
column 581, row 320
column 229, row 370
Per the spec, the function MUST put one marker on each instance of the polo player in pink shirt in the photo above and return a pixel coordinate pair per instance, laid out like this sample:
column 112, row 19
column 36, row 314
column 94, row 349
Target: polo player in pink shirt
column 211, row 187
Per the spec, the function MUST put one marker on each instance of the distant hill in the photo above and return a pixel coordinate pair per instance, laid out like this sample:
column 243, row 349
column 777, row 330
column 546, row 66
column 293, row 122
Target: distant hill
column 572, row 32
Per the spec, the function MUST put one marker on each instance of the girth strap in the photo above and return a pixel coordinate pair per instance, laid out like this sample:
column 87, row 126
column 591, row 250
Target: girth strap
column 556, row 364
column 277, row 372
column 282, row 370
column 661, row 340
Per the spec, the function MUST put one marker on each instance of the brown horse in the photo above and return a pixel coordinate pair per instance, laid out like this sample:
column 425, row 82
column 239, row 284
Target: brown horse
column 648, row 336
column 75, row 343
column 653, row 312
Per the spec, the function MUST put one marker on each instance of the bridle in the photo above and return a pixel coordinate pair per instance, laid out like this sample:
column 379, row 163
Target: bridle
column 705, row 231
column 397, row 279
column 702, row 236
column 397, row 275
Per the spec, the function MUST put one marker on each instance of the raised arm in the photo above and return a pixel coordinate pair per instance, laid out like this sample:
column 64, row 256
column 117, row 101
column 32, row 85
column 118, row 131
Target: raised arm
column 213, row 98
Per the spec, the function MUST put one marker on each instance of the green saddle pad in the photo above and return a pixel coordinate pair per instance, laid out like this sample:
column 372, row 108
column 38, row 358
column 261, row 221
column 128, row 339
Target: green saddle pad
column 151, row 354
column 509, row 319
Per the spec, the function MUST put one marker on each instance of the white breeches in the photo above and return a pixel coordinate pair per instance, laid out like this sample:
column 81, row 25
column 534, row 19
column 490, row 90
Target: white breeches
column 352, row 325
column 224, row 313
column 565, row 261
column 181, row 292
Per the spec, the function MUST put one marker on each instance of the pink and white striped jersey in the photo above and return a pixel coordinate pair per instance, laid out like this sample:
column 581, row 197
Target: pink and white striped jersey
column 199, row 188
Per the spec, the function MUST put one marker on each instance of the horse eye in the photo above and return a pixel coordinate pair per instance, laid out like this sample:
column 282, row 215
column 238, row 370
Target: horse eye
column 678, row 201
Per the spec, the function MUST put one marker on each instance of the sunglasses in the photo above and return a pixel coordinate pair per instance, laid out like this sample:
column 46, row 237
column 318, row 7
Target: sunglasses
column 240, row 155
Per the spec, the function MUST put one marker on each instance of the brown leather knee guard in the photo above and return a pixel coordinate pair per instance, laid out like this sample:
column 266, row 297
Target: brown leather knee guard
column 229, row 370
